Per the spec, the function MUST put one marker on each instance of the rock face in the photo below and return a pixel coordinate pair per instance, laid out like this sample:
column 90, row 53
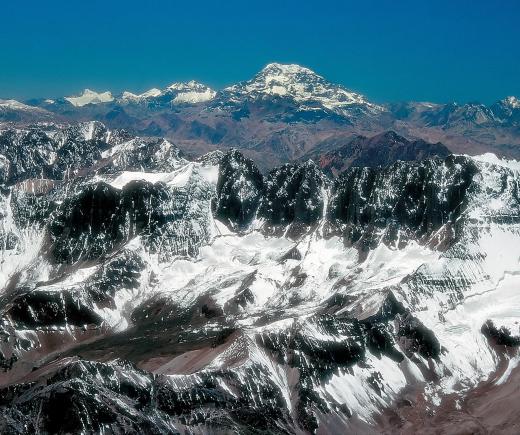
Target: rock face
column 293, row 196
column 145, row 293
column 53, row 151
column 240, row 187
column 402, row 202
column 380, row 150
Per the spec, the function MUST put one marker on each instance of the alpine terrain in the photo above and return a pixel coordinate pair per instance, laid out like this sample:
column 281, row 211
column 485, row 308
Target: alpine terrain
column 285, row 112
column 371, row 289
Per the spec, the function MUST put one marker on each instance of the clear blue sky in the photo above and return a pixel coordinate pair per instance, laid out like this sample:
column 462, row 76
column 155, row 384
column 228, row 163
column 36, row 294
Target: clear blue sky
column 390, row 50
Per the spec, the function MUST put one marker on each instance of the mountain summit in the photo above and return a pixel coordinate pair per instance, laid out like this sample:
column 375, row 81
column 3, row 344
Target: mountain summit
column 90, row 97
column 300, row 84
column 191, row 92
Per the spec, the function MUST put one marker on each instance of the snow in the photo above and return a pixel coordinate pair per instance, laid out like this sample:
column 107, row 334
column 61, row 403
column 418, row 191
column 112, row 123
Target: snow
column 511, row 365
column 154, row 92
column 492, row 159
column 72, row 280
column 459, row 290
column 129, row 96
column 353, row 388
column 25, row 258
column 209, row 172
column 177, row 178
column 90, row 97
column 474, row 281
column 89, row 129
column 16, row 105
column 151, row 93
column 301, row 84
column 128, row 145
column 191, row 92
column 184, row 86
column 194, row 97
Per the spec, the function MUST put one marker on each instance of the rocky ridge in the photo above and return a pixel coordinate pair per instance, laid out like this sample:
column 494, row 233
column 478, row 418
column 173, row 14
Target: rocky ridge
column 142, row 291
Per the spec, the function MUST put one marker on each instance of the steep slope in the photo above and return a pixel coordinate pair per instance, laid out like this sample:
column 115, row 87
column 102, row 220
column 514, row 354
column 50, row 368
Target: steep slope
column 203, row 296
column 53, row 151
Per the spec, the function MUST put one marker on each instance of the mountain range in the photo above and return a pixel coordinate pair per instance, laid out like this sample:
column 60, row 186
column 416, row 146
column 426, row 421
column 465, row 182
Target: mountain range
column 281, row 256
column 282, row 114
column 143, row 291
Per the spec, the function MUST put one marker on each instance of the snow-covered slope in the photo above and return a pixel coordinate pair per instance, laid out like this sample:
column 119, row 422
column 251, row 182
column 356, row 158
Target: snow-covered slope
column 190, row 92
column 300, row 84
column 148, row 293
column 90, row 97
column 15, row 111
column 151, row 93
column 16, row 105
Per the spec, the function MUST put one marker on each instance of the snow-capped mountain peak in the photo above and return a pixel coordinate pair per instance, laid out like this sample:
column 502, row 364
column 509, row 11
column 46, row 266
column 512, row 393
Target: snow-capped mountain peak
column 302, row 85
column 126, row 95
column 184, row 86
column 190, row 92
column 151, row 93
column 90, row 97
column 154, row 92
column 16, row 105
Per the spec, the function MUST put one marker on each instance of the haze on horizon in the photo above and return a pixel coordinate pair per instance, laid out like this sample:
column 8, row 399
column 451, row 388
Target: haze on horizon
column 433, row 51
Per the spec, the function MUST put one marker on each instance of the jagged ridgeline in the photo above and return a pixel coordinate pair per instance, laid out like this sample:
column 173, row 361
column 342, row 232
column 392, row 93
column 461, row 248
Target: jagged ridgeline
column 287, row 112
column 142, row 292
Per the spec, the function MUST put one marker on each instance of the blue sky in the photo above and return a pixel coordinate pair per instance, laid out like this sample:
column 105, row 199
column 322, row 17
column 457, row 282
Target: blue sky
column 457, row 50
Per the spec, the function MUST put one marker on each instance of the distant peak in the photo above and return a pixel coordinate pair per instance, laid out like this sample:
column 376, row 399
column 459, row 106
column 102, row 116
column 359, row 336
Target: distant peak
column 16, row 105
column 303, row 86
column 89, row 96
column 151, row 93
column 129, row 95
column 154, row 92
column 191, row 92
column 191, row 85
column 11, row 103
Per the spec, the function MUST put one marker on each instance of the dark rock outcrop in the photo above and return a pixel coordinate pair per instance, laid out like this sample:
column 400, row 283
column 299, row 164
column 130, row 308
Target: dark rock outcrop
column 239, row 190
column 293, row 194
column 404, row 201
column 500, row 336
